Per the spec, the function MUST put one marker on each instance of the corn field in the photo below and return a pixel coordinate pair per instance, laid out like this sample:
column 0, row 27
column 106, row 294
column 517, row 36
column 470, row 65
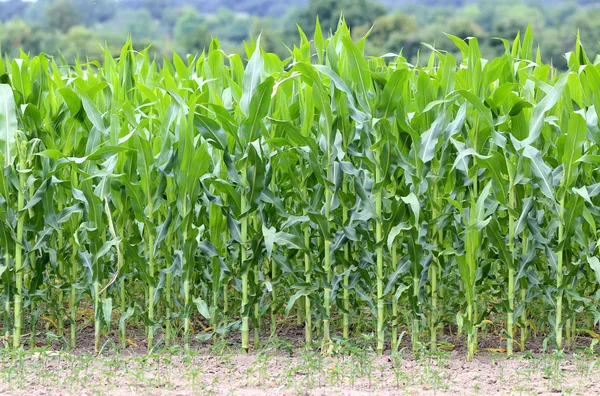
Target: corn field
column 212, row 196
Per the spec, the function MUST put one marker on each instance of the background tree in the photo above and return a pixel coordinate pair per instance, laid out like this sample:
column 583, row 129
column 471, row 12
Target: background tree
column 187, row 23
column 587, row 21
column 96, row 11
column 398, row 25
column 79, row 41
column 230, row 26
column 191, row 34
column 156, row 7
column 15, row 34
column 392, row 27
column 271, row 40
column 356, row 13
column 139, row 24
column 62, row 15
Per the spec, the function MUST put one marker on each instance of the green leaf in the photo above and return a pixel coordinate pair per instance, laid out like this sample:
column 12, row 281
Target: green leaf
column 202, row 307
column 272, row 237
column 595, row 266
column 478, row 104
column 541, row 171
column 107, row 310
column 356, row 114
column 518, row 107
column 539, row 111
column 497, row 167
column 460, row 43
column 573, row 149
column 106, row 247
column 319, row 41
column 392, row 92
column 395, row 231
column 412, row 200
column 429, row 138
column 291, row 241
column 258, row 110
column 253, row 76
column 392, row 279
column 498, row 240
column 39, row 194
column 8, row 125
column 360, row 74
column 71, row 99
column 304, row 291
column 124, row 316
column 92, row 112
column 255, row 175
column 211, row 131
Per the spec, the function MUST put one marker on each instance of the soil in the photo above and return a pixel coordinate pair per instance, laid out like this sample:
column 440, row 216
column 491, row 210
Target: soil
column 284, row 366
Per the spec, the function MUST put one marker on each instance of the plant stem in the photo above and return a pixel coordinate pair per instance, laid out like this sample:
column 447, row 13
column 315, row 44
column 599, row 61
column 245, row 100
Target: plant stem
column 511, row 276
column 346, row 297
column 433, row 319
column 470, row 335
column 523, row 320
column 186, row 319
column 73, row 303
column 273, row 268
column 186, row 290
column 378, row 236
column 274, row 299
column 225, row 298
column 97, row 319
column 307, row 277
column 568, row 332
column 326, row 295
column 256, row 304
column 18, row 304
column 123, row 309
column 151, row 289
column 475, row 328
column 510, row 323
column 559, row 278
column 433, row 276
column 32, row 326
column 216, row 272
column 327, row 258
column 6, row 310
column 244, row 309
column 61, row 271
column 415, row 320
column 394, row 301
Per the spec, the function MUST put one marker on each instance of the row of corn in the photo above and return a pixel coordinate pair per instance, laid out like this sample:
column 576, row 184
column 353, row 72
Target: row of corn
column 355, row 195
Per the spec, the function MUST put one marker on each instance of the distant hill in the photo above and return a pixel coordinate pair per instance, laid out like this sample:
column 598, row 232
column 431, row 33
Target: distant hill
column 10, row 8
column 279, row 7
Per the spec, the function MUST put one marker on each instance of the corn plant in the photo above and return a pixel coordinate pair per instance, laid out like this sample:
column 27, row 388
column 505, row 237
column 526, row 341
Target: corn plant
column 210, row 194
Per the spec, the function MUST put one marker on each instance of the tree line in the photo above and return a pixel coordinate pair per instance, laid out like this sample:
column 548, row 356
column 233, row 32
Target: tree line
column 82, row 28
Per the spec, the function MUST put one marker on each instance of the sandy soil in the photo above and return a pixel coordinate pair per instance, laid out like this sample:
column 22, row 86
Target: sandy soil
column 226, row 372
column 284, row 366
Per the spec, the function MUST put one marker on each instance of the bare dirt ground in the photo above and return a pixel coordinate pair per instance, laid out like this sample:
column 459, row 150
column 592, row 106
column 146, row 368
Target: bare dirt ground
column 302, row 373
column 284, row 367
